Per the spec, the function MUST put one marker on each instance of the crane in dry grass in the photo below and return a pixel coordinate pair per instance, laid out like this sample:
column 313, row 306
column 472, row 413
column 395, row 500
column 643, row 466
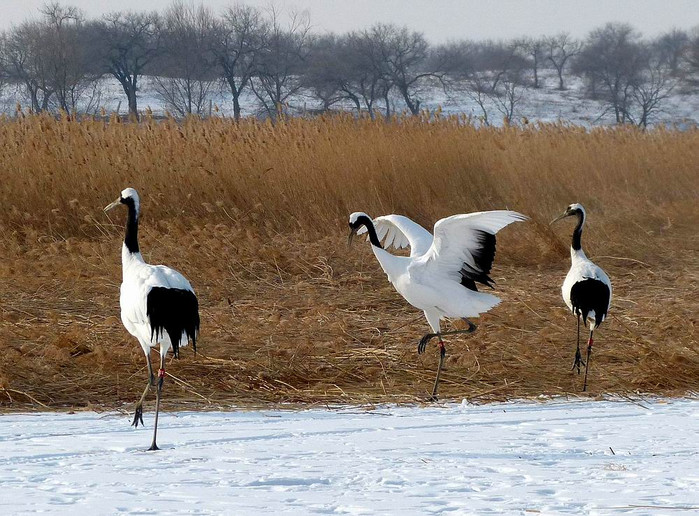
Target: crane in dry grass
column 587, row 290
column 440, row 275
column 158, row 305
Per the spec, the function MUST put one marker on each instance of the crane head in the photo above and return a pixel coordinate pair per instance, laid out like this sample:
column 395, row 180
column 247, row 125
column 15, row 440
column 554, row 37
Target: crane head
column 356, row 221
column 128, row 195
column 572, row 209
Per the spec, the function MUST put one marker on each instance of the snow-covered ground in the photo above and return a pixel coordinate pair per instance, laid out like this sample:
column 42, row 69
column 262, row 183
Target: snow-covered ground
column 546, row 104
column 590, row 457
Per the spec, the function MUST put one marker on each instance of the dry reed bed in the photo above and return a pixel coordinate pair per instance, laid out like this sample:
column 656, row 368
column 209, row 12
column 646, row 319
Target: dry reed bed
column 255, row 215
column 305, row 174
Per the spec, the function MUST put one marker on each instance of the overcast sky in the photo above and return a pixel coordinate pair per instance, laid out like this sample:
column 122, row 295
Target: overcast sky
column 440, row 20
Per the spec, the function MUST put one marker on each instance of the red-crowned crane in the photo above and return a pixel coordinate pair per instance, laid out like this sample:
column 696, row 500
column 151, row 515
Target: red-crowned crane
column 158, row 305
column 586, row 290
column 440, row 275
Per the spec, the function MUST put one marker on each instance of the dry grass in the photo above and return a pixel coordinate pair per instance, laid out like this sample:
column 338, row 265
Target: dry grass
column 255, row 216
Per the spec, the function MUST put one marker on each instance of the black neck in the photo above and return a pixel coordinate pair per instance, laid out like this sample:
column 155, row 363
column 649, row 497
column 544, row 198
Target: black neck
column 577, row 232
column 373, row 237
column 131, row 238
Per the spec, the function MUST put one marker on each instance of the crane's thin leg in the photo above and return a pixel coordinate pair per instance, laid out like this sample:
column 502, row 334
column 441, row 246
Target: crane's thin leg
column 578, row 357
column 587, row 364
column 442, row 350
column 422, row 345
column 161, row 378
column 138, row 416
column 442, row 354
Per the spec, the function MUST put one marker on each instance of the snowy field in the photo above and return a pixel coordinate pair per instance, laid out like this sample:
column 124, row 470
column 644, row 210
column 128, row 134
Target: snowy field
column 589, row 457
column 538, row 105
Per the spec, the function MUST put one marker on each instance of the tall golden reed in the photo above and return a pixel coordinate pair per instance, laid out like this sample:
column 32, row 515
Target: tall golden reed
column 305, row 176
column 256, row 216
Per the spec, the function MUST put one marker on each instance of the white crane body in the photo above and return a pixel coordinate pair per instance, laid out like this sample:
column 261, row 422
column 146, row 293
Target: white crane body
column 583, row 271
column 440, row 275
column 139, row 280
column 586, row 290
column 158, row 305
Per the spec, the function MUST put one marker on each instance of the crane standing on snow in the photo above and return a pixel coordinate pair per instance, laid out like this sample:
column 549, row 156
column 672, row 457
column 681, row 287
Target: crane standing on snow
column 441, row 273
column 586, row 290
column 158, row 305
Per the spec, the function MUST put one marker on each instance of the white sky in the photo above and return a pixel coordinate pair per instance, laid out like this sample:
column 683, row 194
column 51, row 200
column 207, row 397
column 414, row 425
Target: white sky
column 440, row 20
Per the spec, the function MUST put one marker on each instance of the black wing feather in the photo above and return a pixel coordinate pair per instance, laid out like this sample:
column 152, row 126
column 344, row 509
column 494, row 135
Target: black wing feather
column 483, row 256
column 175, row 311
column 588, row 295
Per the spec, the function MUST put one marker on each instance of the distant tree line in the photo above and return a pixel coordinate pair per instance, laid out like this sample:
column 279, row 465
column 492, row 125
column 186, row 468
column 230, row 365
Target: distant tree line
column 57, row 62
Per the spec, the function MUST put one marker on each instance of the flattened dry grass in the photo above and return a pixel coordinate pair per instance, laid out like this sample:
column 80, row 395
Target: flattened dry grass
column 255, row 216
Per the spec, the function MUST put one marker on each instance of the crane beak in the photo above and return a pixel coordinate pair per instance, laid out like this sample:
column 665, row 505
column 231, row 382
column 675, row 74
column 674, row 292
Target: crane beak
column 562, row 216
column 351, row 236
column 112, row 205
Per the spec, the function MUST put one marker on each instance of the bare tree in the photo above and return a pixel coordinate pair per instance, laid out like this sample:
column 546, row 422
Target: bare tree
column 612, row 61
column 49, row 59
column 72, row 73
column 367, row 72
column 237, row 46
column 671, row 48
column 509, row 94
column 57, row 60
column 455, row 58
column 691, row 58
column 281, row 60
column 654, row 85
column 501, row 60
column 365, row 67
column 3, row 64
column 329, row 72
column 403, row 55
column 535, row 50
column 27, row 62
column 559, row 50
column 490, row 74
column 183, row 75
column 128, row 43
column 479, row 88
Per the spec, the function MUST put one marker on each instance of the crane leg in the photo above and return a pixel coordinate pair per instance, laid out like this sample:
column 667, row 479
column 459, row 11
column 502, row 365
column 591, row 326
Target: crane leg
column 442, row 354
column 587, row 363
column 442, row 350
column 138, row 415
column 578, row 356
column 422, row 345
column 158, row 393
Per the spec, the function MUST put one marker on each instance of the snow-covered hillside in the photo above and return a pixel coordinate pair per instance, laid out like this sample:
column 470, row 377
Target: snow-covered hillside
column 584, row 457
column 546, row 104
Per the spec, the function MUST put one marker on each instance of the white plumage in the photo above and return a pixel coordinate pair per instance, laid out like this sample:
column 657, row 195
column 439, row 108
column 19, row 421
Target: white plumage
column 158, row 304
column 400, row 232
column 430, row 279
column 583, row 268
column 139, row 278
column 439, row 277
column 586, row 290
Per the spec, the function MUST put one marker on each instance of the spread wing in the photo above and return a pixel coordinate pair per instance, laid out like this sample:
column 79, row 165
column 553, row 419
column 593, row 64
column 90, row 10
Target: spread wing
column 399, row 232
column 464, row 247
